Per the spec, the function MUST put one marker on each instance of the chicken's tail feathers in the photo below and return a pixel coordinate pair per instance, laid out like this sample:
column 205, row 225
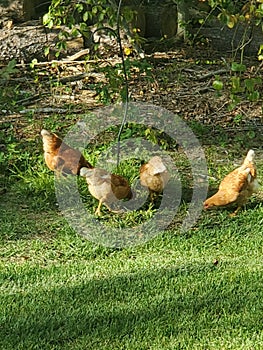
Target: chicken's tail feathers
column 157, row 164
column 250, row 156
column 48, row 135
column 44, row 132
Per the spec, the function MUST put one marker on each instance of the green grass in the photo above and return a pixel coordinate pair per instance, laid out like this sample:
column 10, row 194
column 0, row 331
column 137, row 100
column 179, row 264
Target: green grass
column 60, row 291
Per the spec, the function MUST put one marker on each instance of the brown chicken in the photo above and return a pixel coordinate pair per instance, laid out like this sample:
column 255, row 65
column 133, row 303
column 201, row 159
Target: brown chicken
column 60, row 157
column 154, row 175
column 107, row 188
column 237, row 186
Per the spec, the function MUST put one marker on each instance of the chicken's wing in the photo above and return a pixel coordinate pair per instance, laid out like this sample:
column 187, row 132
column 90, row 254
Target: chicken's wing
column 106, row 187
column 154, row 175
column 237, row 186
column 60, row 157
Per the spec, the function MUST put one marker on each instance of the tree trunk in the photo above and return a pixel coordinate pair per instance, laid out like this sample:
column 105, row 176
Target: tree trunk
column 33, row 9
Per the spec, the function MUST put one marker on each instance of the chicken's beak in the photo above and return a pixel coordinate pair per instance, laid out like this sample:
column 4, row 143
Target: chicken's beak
column 205, row 206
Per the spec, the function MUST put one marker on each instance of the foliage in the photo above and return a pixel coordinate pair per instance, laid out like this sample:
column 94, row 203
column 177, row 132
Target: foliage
column 87, row 17
column 113, row 88
column 8, row 94
column 81, row 17
column 241, row 84
column 248, row 13
column 6, row 72
column 233, row 12
column 242, row 16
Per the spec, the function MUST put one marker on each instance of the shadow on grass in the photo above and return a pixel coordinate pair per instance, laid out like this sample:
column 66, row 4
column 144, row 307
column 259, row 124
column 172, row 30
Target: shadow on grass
column 191, row 302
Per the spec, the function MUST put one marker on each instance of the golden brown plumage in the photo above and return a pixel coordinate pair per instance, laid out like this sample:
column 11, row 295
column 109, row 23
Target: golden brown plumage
column 60, row 157
column 154, row 175
column 106, row 187
column 237, row 186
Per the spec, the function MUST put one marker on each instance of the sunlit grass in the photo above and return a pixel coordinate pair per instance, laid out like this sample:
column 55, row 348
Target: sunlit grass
column 200, row 289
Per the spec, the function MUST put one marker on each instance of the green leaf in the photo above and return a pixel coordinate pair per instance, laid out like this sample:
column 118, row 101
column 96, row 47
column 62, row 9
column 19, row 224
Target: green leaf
column 85, row 16
column 46, row 51
column 236, row 85
column 83, row 27
column 101, row 16
column 46, row 19
column 75, row 32
column 33, row 63
column 218, row 85
column 231, row 21
column 50, row 24
column 254, row 96
column 11, row 65
column 249, row 84
column 56, row 3
column 94, row 10
column 79, row 8
column 251, row 134
column 238, row 67
column 260, row 52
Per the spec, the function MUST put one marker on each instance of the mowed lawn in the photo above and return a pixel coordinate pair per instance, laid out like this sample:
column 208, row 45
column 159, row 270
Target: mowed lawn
column 196, row 290
column 202, row 289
